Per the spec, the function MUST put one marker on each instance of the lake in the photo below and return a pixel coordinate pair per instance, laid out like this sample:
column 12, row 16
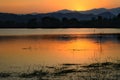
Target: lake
column 20, row 48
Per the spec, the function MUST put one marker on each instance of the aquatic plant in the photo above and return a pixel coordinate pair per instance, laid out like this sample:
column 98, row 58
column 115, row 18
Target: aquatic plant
column 4, row 75
column 35, row 73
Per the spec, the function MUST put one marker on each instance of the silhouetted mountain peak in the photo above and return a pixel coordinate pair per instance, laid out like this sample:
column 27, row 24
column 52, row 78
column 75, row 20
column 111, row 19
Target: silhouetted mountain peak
column 80, row 15
column 115, row 11
column 94, row 11
column 64, row 11
column 107, row 14
column 98, row 9
column 34, row 13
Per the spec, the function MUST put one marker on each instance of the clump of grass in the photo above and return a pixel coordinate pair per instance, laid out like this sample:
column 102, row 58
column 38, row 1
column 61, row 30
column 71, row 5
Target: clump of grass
column 70, row 64
column 101, row 71
column 4, row 75
column 35, row 73
column 104, row 64
column 94, row 71
column 63, row 72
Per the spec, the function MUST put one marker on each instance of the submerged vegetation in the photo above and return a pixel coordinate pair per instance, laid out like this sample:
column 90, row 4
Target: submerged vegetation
column 94, row 71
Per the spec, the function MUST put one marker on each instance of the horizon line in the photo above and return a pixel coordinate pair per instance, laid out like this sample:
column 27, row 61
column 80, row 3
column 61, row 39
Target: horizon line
column 58, row 10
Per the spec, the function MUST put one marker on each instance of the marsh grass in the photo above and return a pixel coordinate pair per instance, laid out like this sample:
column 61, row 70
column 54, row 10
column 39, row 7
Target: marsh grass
column 102, row 71
column 39, row 74
column 93, row 71
column 4, row 75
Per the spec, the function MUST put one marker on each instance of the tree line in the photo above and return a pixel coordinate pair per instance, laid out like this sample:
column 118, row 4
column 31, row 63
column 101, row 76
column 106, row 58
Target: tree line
column 52, row 22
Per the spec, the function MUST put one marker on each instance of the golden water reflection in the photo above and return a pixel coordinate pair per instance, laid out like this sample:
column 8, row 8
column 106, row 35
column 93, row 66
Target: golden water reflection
column 54, row 49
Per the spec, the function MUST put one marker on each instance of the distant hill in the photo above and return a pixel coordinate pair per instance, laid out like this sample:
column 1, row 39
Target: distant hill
column 69, row 18
column 80, row 15
column 114, row 11
column 94, row 11
column 64, row 11
column 107, row 15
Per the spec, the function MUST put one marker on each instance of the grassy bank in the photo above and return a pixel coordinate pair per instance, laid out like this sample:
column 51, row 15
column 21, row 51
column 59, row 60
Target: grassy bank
column 93, row 71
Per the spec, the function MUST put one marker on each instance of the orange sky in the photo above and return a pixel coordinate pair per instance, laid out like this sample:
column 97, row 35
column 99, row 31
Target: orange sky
column 43, row 6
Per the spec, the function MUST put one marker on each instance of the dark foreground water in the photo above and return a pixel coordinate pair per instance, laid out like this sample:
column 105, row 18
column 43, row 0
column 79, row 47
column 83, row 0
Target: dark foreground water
column 57, row 54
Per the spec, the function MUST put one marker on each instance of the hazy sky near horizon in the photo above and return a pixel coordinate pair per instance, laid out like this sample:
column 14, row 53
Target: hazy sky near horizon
column 43, row 6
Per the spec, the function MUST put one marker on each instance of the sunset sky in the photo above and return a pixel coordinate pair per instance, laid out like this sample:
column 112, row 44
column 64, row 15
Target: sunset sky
column 44, row 6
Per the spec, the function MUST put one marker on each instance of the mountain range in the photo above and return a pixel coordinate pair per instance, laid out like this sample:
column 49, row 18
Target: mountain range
column 114, row 11
column 80, row 15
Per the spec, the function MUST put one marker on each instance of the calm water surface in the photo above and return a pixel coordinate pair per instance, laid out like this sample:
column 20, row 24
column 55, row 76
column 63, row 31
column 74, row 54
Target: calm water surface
column 23, row 47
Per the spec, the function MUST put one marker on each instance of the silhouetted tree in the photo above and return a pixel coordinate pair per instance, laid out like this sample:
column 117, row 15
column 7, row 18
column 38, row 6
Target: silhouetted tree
column 65, row 22
column 118, row 16
column 73, row 22
column 32, row 23
column 93, row 19
column 100, row 18
column 117, row 21
column 50, row 22
column 53, row 22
